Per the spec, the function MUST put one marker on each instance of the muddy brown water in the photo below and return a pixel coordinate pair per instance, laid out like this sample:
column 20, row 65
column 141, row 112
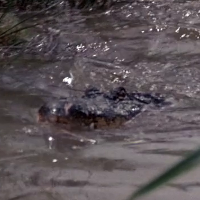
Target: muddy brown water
column 144, row 46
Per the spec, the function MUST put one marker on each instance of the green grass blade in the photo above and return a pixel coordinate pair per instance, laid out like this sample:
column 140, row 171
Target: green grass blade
column 183, row 166
column 26, row 19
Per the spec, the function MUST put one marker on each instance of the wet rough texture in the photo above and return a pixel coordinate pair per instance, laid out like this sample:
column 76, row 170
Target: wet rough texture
column 98, row 109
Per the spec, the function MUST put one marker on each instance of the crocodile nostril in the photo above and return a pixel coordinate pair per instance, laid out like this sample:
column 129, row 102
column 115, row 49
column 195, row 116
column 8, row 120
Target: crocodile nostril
column 42, row 113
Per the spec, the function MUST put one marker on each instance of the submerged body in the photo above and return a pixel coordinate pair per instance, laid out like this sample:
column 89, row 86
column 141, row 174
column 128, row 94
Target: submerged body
column 98, row 109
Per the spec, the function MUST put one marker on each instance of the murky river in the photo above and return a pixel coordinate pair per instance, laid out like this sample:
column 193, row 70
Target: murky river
column 144, row 46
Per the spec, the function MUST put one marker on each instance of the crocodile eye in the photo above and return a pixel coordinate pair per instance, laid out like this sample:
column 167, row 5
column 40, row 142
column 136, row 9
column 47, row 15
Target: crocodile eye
column 119, row 93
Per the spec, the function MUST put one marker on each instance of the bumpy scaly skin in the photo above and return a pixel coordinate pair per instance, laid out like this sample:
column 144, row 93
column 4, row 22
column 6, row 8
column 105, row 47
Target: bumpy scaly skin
column 98, row 109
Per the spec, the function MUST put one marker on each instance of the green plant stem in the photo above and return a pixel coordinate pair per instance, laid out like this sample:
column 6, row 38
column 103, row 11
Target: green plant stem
column 184, row 165
column 44, row 10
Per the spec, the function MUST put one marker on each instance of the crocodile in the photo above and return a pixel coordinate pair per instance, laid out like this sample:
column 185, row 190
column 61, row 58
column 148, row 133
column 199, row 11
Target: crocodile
column 98, row 109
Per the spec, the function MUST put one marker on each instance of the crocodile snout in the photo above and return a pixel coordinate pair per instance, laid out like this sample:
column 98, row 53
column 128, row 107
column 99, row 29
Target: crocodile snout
column 54, row 112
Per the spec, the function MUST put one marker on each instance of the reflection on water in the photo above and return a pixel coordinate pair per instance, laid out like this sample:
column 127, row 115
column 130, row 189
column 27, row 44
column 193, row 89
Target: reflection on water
column 144, row 46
